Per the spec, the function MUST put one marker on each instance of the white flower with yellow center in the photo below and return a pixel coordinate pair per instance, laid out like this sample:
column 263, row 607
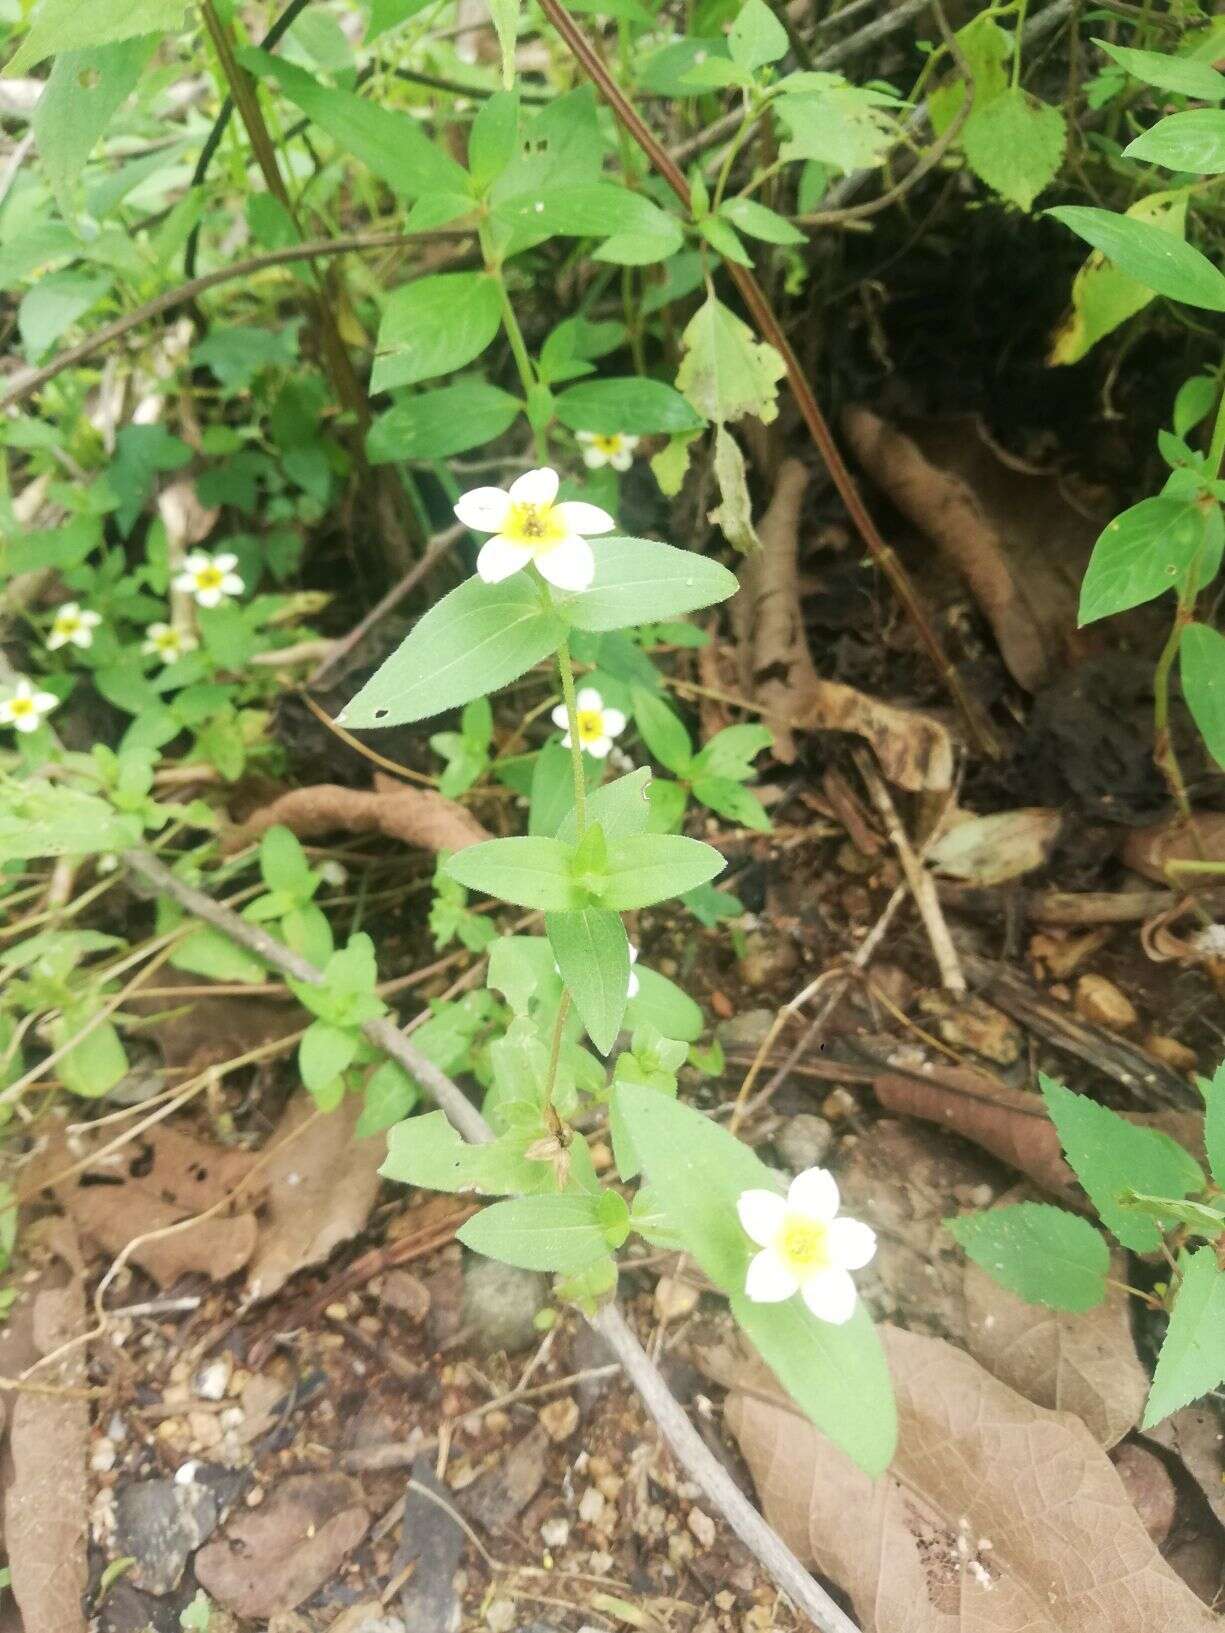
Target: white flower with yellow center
column 805, row 1247
column 528, row 525
column 70, row 624
column 615, row 450
column 25, row 709
column 211, row 579
column 597, row 726
column 167, row 643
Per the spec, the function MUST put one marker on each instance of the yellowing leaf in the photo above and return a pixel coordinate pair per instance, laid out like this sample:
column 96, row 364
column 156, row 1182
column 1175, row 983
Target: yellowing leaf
column 1103, row 297
column 734, row 517
column 727, row 373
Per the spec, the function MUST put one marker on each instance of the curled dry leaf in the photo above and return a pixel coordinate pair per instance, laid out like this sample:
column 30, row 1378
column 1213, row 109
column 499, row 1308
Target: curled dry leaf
column 998, row 1515
column 776, row 667
column 989, row 850
column 1196, row 1436
column 159, row 1181
column 1007, row 528
column 1149, row 851
column 414, row 816
column 321, row 1187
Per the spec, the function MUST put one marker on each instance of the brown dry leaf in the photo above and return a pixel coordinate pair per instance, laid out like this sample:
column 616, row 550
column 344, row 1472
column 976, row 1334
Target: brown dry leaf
column 159, row 1180
column 1007, row 528
column 1009, row 1123
column 321, row 1187
column 1196, row 1436
column 273, row 1557
column 1085, row 1364
column 46, row 1498
column 1148, row 851
column 776, row 667
column 1149, row 1488
column 195, row 1032
column 414, row 816
column 998, row 1516
column 989, row 850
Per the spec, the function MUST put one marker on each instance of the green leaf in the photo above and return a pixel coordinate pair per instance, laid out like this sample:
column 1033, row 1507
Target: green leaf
column 528, row 872
column 477, row 638
column 732, row 801
column 1045, row 1255
column 633, row 406
column 67, row 25
column 1146, row 551
column 493, row 139
column 621, row 807
column 1201, row 658
column 1193, row 403
column 428, row 1152
column 592, row 953
column 1111, row 1155
column 558, row 1233
column 662, row 732
column 505, row 15
column 39, row 820
column 552, row 794
column 986, row 48
column 1016, row 145
column 92, row 1067
column 1169, row 73
column 1198, row 1218
column 324, row 1053
column 1194, row 140
column 847, row 127
column 209, row 953
column 727, row 372
column 760, row 222
column 393, row 145
column 1213, row 1090
column 639, row 580
column 696, row 1171
column 1148, row 254
column 436, row 424
column 1103, row 297
column 1192, row 1359
column 283, row 864
column 53, row 305
column 731, row 752
column 649, row 868
column 83, row 91
column 722, row 236
column 595, row 209
column 756, row 37
column 661, row 1003
column 433, row 325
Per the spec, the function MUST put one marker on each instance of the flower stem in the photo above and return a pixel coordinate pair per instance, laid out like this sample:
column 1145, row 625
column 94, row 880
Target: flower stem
column 566, row 669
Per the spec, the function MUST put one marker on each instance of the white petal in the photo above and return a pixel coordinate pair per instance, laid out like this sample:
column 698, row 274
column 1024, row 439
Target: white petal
column 157, row 629
column 588, row 698
column 630, row 443
column 586, row 436
column 185, row 581
column 565, row 742
column 56, row 640
column 225, row 562
column 614, row 722
column 633, row 953
column 814, row 1193
column 852, row 1244
column 483, row 509
column 44, row 702
column 632, row 990
column 535, row 487
column 830, row 1295
column 559, row 716
column 27, row 722
column 82, row 637
column 594, row 458
column 6, row 712
column 584, row 518
column 761, row 1215
column 499, row 558
column 93, row 619
column 70, row 609
column 209, row 598
column 621, row 461
column 598, row 747
column 769, row 1281
column 195, row 562
column 569, row 565
column 231, row 584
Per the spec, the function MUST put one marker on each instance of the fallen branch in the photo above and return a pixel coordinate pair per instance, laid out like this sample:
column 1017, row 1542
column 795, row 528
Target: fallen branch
column 691, row 1451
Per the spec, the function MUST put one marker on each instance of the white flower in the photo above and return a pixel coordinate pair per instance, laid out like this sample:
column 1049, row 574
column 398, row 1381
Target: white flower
column 615, row 450
column 25, row 709
column 597, row 726
column 211, row 579
column 168, row 643
column 527, row 525
column 632, row 990
column 805, row 1248
column 71, row 624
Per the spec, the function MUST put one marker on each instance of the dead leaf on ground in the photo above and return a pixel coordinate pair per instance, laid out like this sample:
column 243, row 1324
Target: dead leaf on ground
column 997, row 1515
column 1149, row 851
column 321, row 1182
column 1149, row 1488
column 1196, row 1436
column 414, row 816
column 1081, row 1363
column 1008, row 529
column 989, row 850
column 196, row 1032
column 159, row 1180
column 273, row 1557
column 502, row 1492
column 46, row 1497
column 777, row 671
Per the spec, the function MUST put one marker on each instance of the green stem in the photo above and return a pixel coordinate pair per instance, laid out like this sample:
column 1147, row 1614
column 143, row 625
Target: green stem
column 566, row 669
column 1163, row 748
column 748, row 120
column 1016, row 49
column 1216, row 451
column 518, row 346
column 556, row 1126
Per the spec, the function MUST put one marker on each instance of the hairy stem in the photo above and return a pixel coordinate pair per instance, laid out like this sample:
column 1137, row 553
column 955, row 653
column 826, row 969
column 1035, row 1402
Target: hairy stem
column 566, row 670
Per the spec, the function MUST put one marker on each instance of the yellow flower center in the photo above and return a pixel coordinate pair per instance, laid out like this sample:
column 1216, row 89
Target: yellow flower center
column 21, row 706
column 590, row 725
column 803, row 1245
column 209, row 578
column 537, row 526
column 169, row 642
column 608, row 445
column 67, row 624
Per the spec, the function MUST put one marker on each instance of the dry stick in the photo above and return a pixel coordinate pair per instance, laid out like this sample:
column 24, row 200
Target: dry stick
column 922, row 885
column 25, row 385
column 691, row 1451
column 771, row 330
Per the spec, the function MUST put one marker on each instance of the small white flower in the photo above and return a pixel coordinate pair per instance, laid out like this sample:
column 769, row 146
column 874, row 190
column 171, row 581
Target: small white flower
column 70, row 624
column 25, row 709
column 211, row 579
column 528, row 525
column 167, row 643
column 615, row 450
column 597, row 726
column 805, row 1248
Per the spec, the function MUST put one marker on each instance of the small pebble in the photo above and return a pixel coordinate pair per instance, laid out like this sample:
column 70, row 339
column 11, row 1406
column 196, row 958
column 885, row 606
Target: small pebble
column 1101, row 1002
column 560, row 1418
column 102, row 1455
column 838, row 1105
column 212, row 1381
column 591, row 1506
column 702, row 1526
column 555, row 1533
column 804, row 1142
column 1171, row 1052
column 674, row 1298
column 500, row 1616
